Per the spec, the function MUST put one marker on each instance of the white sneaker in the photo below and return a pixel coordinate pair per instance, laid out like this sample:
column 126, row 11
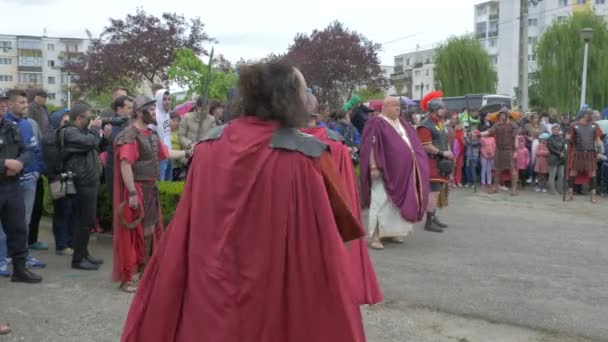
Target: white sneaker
column 537, row 189
column 544, row 190
column 503, row 188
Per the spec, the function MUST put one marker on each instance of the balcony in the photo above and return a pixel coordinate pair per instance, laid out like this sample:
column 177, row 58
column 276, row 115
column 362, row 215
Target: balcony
column 418, row 64
column 493, row 16
column 398, row 69
column 480, row 35
column 492, row 34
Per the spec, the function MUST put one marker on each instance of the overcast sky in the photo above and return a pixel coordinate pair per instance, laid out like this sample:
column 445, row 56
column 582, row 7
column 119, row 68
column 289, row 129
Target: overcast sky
column 254, row 28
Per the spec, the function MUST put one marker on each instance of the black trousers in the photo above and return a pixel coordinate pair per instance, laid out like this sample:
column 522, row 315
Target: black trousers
column 84, row 211
column 36, row 212
column 12, row 216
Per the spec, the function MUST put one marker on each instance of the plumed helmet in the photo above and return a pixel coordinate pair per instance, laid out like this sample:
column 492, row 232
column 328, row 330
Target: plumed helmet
column 432, row 102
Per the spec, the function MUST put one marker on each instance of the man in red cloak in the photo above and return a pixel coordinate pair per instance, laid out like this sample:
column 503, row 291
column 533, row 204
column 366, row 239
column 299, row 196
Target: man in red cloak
column 137, row 219
column 364, row 281
column 255, row 251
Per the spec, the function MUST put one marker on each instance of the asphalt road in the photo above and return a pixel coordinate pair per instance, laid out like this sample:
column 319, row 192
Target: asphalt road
column 529, row 261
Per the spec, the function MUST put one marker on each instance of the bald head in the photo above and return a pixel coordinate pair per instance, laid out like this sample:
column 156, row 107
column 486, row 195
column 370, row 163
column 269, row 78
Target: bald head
column 391, row 107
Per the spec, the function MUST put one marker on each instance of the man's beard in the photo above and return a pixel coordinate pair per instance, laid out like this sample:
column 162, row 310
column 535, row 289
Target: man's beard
column 148, row 118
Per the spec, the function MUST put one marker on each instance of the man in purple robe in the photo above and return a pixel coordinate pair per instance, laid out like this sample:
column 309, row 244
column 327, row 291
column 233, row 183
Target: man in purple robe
column 394, row 175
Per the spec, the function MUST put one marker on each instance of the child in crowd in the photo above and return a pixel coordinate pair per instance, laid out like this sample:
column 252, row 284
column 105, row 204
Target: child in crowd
column 459, row 151
column 602, row 165
column 523, row 159
column 472, row 158
column 542, row 163
column 488, row 150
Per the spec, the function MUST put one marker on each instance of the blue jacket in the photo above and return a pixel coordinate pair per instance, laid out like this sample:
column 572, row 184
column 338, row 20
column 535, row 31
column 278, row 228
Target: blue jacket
column 31, row 143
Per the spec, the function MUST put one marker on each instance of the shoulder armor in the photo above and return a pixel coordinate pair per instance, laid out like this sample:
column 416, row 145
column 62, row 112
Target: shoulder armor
column 214, row 133
column 333, row 135
column 293, row 140
column 127, row 135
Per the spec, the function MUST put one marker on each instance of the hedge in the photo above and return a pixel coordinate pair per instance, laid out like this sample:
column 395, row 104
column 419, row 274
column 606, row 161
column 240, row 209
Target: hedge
column 169, row 192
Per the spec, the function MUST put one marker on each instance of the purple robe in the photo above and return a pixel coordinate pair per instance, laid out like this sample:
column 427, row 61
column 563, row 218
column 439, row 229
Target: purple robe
column 405, row 174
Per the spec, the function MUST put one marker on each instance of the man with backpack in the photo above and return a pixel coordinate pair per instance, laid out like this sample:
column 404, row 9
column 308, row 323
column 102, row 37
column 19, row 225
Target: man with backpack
column 62, row 207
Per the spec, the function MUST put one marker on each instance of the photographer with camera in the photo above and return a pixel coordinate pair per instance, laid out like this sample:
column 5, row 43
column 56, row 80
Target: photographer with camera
column 82, row 167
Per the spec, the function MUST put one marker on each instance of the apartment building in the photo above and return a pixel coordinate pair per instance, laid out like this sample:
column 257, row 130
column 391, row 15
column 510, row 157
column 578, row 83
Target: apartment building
column 497, row 28
column 413, row 74
column 35, row 62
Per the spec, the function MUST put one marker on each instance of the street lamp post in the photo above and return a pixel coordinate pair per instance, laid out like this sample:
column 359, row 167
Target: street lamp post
column 586, row 34
column 69, row 90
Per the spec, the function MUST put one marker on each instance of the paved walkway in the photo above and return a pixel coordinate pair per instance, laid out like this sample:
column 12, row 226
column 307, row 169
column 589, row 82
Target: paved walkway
column 529, row 264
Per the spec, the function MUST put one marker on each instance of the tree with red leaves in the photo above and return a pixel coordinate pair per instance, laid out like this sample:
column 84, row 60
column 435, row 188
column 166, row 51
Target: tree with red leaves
column 336, row 61
column 140, row 47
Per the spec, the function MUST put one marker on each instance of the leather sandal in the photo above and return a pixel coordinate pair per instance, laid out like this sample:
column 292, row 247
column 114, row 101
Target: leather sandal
column 5, row 328
column 128, row 287
column 376, row 244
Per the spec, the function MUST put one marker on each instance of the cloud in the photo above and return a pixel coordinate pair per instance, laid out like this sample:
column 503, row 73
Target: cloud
column 24, row 3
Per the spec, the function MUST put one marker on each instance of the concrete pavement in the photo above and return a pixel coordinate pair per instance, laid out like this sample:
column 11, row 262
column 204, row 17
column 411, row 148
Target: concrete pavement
column 527, row 268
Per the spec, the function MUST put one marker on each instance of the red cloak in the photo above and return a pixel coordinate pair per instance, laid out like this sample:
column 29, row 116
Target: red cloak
column 253, row 252
column 127, row 244
column 364, row 280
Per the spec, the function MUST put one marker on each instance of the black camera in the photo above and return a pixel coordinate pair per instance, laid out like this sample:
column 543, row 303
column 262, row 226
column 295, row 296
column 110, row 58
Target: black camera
column 114, row 121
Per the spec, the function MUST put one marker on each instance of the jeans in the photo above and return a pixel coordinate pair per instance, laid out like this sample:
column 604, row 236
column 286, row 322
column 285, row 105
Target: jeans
column 12, row 214
column 62, row 211
column 34, row 224
column 3, row 247
column 487, row 165
column 28, row 188
column 165, row 170
column 556, row 171
column 471, row 171
column 84, row 212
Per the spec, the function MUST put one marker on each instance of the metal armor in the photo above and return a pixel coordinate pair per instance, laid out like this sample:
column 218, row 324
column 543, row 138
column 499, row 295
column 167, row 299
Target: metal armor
column 440, row 136
column 146, row 168
column 584, row 137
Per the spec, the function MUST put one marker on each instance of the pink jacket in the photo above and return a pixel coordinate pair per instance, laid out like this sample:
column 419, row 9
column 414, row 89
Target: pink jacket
column 488, row 147
column 523, row 155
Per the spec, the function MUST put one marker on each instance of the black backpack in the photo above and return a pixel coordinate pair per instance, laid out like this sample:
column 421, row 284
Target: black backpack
column 52, row 145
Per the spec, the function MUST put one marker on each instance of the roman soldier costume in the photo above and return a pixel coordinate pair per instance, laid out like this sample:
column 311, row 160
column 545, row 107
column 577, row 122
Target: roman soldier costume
column 582, row 161
column 432, row 132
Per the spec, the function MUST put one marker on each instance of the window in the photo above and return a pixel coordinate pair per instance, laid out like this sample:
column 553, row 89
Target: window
column 493, row 42
column 50, row 47
column 532, row 57
column 417, row 88
column 494, row 59
column 480, row 28
column 417, row 73
column 407, row 61
column 30, row 77
column 51, row 64
column 52, row 96
column 581, row 2
column 30, row 61
column 532, row 22
column 428, row 86
column 6, row 61
column 29, row 44
column 481, row 11
column 6, row 44
column 427, row 72
column 563, row 3
column 71, row 47
column 6, row 78
column 600, row 2
column 50, row 80
column 532, row 40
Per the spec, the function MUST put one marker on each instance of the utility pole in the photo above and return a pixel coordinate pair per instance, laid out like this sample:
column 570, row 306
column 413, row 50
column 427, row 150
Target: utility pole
column 523, row 56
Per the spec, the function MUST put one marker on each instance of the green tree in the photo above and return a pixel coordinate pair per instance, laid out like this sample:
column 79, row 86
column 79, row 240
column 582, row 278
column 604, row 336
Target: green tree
column 557, row 80
column 189, row 72
column 462, row 66
column 368, row 93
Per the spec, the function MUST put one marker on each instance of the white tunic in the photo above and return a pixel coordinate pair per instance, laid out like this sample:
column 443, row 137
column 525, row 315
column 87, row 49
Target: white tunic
column 383, row 213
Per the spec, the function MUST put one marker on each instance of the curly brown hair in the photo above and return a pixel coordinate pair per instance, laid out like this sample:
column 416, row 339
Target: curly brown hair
column 272, row 91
